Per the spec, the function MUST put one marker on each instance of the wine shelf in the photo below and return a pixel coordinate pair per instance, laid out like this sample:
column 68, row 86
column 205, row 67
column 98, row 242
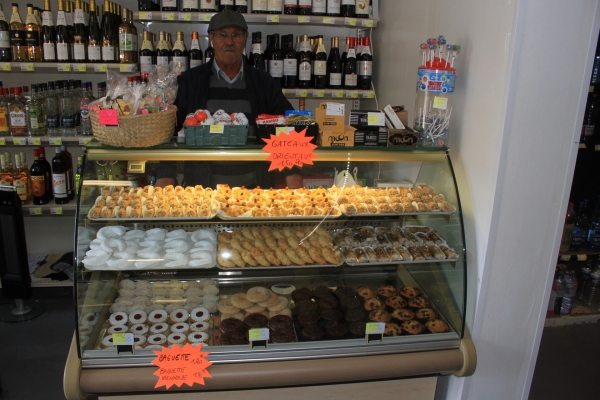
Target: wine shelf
column 66, row 67
column 43, row 140
column 329, row 93
column 49, row 209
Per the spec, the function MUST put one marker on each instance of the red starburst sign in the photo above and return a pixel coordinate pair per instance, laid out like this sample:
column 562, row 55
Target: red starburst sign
column 179, row 365
column 289, row 150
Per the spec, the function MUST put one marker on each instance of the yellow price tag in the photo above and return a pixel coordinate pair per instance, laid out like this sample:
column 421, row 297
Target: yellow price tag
column 273, row 18
column 123, row 338
column 35, row 211
column 2, row 142
column 301, row 93
column 282, row 129
column 56, row 141
column 352, row 94
column 258, row 334
column 168, row 16
column 56, row 210
column 375, row 327
column 64, row 67
column 565, row 258
column 19, row 141
column 144, row 15
column 125, row 68
column 34, row 141
column 207, row 17
column 368, row 23
column 372, row 119
column 368, row 95
column 217, row 128
column 582, row 146
column 339, row 94
column 351, row 21
column 303, row 19
column 28, row 67
column 5, row 66
column 328, row 20
column 318, row 93
column 581, row 257
column 100, row 67
column 185, row 16
column 80, row 67
column 84, row 141
column 440, row 102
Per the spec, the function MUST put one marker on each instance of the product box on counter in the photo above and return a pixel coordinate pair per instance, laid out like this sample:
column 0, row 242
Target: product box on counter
column 216, row 135
column 265, row 131
column 393, row 112
column 337, row 139
column 331, row 117
column 371, row 138
column 313, row 181
column 365, row 120
column 402, row 137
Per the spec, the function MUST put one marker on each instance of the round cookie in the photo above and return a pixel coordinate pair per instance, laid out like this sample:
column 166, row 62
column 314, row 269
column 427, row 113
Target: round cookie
column 373, row 304
column 392, row 329
column 232, row 325
column 419, row 302
column 412, row 327
column 395, row 302
column 380, row 316
column 387, row 291
column 425, row 314
column 402, row 314
column 366, row 292
column 409, row 292
column 436, row 326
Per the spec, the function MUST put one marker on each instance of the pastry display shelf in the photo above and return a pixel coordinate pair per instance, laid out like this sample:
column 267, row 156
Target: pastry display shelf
column 37, row 141
column 49, row 209
column 340, row 94
column 67, row 66
column 256, row 19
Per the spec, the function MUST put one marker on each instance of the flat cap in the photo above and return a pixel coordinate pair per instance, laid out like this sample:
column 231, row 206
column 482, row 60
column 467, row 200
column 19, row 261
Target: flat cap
column 226, row 19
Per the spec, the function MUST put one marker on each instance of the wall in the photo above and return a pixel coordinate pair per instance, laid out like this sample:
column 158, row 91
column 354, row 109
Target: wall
column 518, row 108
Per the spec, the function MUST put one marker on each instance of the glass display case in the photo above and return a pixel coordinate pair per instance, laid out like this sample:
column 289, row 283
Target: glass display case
column 371, row 235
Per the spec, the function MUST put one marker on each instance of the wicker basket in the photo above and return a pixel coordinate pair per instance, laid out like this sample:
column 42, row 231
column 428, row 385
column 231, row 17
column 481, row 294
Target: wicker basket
column 136, row 130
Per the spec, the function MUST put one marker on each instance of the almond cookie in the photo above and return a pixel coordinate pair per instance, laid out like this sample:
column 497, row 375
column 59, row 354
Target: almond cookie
column 436, row 326
column 413, row 327
column 387, row 291
column 374, row 304
column 366, row 292
column 418, row 302
column 380, row 316
column 402, row 314
column 392, row 329
column 395, row 302
column 426, row 314
column 409, row 292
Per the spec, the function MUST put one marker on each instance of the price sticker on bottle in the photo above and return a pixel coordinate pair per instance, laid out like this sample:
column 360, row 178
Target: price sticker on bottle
column 56, row 211
column 2, row 142
column 19, row 141
column 367, row 23
column 318, row 93
column 185, row 16
column 206, row 17
column 350, row 21
column 369, row 94
column 258, row 334
column 328, row 20
column 100, row 67
column 79, row 67
column 4, row 66
column 145, row 15
column 63, row 67
column 352, row 94
column 123, row 338
column 55, row 141
column 303, row 19
column 35, row 211
column 301, row 93
column 27, row 67
column 168, row 16
column 273, row 19
column 126, row 68
column 338, row 93
column 34, row 141
column 84, row 141
column 217, row 128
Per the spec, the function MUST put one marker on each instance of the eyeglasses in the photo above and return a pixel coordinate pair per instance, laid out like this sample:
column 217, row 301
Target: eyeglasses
column 235, row 36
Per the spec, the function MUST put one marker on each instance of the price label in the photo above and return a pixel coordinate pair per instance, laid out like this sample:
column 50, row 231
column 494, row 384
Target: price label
column 2, row 142
column 582, row 146
column 375, row 328
column 35, row 211
column 56, row 210
column 145, row 15
column 258, row 334
column 34, row 141
column 168, row 16
column 108, row 117
column 367, row 22
column 282, row 129
column 84, row 141
column 79, row 67
column 350, row 21
column 126, row 68
column 368, row 95
column 338, row 93
column 581, row 257
column 64, row 67
column 207, row 17
column 123, row 338
column 328, row 20
column 185, row 16
column 318, row 93
column 376, row 118
column 565, row 258
column 303, row 19
column 55, row 141
column 100, row 68
column 5, row 66
column 352, row 94
column 273, row 19
column 440, row 103
column 301, row 93
column 21, row 141
column 335, row 109
column 217, row 128
column 27, row 67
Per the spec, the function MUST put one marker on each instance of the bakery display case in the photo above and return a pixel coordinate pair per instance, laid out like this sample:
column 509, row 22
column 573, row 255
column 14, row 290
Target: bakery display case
column 378, row 239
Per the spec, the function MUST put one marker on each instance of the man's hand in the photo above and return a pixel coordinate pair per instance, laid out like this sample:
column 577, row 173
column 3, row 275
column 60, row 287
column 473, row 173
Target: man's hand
column 294, row 181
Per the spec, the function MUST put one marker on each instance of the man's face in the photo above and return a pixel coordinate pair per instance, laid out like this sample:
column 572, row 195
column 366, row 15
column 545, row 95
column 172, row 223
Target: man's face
column 229, row 44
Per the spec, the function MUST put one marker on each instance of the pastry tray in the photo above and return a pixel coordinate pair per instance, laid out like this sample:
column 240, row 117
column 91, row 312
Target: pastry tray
column 368, row 264
column 281, row 267
column 398, row 214
column 291, row 217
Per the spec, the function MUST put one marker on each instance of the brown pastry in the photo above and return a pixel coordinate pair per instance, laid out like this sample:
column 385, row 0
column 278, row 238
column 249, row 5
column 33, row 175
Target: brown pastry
column 392, row 329
column 395, row 302
column 256, row 321
column 352, row 303
column 328, row 303
column 332, row 315
column 425, row 314
column 387, row 291
column 232, row 325
column 366, row 292
column 312, row 332
column 409, row 292
column 413, row 327
column 233, row 338
column 355, row 315
column 418, row 302
column 402, row 314
column 436, row 326
column 335, row 330
column 374, row 304
column 306, row 305
column 281, row 322
column 380, row 316
column 284, row 336
column 307, row 318
column 357, row 328
column 301, row 294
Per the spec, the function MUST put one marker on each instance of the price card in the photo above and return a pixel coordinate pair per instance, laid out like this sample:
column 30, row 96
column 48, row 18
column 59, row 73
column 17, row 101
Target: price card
column 19, row 141
column 597, row 147
column 352, row 94
column 582, row 146
column 2, row 142
column 440, row 102
column 34, row 141
column 368, row 94
column 123, row 338
column 56, row 211
column 301, row 93
column 126, row 68
column 338, row 93
column 100, row 67
column 258, row 334
column 328, row 20
column 375, row 328
column 108, row 117
column 581, row 257
column 376, row 118
column 367, row 22
column 84, row 141
column 350, row 21
column 35, row 211
column 55, row 141
column 207, row 17
column 273, row 18
column 282, row 129
column 181, row 365
column 145, row 15
column 185, row 16
column 64, row 67
column 27, row 67
column 335, row 109
column 217, row 128
column 318, row 93
column 565, row 258
column 79, row 67
column 168, row 16
column 4, row 66
column 303, row 19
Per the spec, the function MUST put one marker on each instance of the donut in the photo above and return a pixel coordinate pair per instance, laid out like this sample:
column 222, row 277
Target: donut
column 178, row 315
column 160, row 328
column 138, row 317
column 139, row 329
column 301, row 294
column 409, row 292
column 89, row 319
column 156, row 339
column 107, row 342
column 281, row 322
column 116, row 329
column 199, row 326
column 226, row 307
column 197, row 337
column 402, row 314
column 380, row 316
column 118, row 318
column 176, row 338
column 254, row 321
column 286, row 312
column 158, row 316
column 199, row 314
column 232, row 325
column 240, row 300
column 258, row 294
column 233, row 338
column 366, row 292
column 238, row 315
column 387, row 291
column 139, row 340
column 374, row 304
column 395, row 302
column 282, row 303
column 271, row 301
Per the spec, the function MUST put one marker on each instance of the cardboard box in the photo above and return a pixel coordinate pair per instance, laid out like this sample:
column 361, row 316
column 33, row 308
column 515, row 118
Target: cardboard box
column 402, row 137
column 337, row 139
column 332, row 118
column 366, row 120
column 402, row 114
column 313, row 181
column 371, row 138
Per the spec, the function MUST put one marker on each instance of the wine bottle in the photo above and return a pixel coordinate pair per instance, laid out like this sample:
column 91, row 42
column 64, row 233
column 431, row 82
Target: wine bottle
column 63, row 46
column 180, row 53
column 274, row 6
column 226, row 5
column 195, row 51
column 304, row 64
column 59, row 178
column 350, row 76
column 110, row 42
column 47, row 168
column 147, row 54
column 190, row 5
column 305, row 7
column 259, row 6
column 80, row 37
column 48, row 33
column 32, row 36
column 70, row 175
column 18, row 46
column 334, row 65
column 348, row 8
column 319, row 7
column 333, row 8
column 290, row 7
column 365, row 65
column 362, row 9
column 290, row 64
column 319, row 67
column 208, row 5
column 241, row 6
column 94, row 39
column 276, row 60
column 38, row 176
column 70, row 26
column 5, row 53
column 128, row 51
column 209, row 54
column 256, row 58
column 162, row 50
column 170, row 5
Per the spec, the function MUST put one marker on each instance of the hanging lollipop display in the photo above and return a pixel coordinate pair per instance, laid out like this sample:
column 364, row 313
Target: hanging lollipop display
column 435, row 85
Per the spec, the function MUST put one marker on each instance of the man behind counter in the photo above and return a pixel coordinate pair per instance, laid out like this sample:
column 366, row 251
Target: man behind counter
column 227, row 82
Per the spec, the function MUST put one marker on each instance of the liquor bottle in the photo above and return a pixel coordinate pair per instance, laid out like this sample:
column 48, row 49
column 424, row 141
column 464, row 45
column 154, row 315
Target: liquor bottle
column 226, row 5
column 70, row 174
column 4, row 116
column 5, row 53
column 79, row 34
column 290, row 7
column 101, row 89
column 305, row 7
column 241, row 6
column 365, row 65
column 16, row 111
column 162, row 50
column 38, row 184
column 18, row 46
column 63, row 45
column 276, row 60
column 169, row 41
column 209, row 53
column 259, row 6
column 76, row 94
column 59, row 178
column 21, row 181
column 304, row 64
column 208, row 5
column 350, row 75
column 348, row 8
column 48, row 33
column 195, row 51
column 290, row 64
column 65, row 110
column 38, row 16
column 32, row 36
column 256, row 57
column 180, row 53
column 52, row 111
column 274, row 6
column 6, row 178
column 147, row 55
column 170, row 5
column 36, row 114
column 190, row 5
column 362, row 9
column 320, row 65
column 319, row 7
column 94, row 39
column 110, row 41
column 333, row 8
column 146, row 5
column 267, row 51
column 69, row 15
column 84, row 114
column 47, row 174
column 128, row 51
column 78, row 174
